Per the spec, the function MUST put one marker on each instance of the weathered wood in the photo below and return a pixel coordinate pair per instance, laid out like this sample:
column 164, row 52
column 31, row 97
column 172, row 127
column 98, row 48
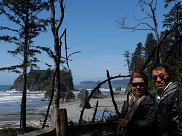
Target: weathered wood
column 93, row 119
column 63, row 122
column 57, row 120
column 112, row 93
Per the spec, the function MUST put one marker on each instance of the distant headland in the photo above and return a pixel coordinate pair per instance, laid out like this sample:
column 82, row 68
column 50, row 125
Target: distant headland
column 119, row 83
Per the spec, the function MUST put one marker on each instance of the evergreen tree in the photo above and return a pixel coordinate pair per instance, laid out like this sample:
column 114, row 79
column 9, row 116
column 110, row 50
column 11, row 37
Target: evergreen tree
column 66, row 78
column 172, row 48
column 137, row 60
column 26, row 25
column 128, row 60
column 149, row 44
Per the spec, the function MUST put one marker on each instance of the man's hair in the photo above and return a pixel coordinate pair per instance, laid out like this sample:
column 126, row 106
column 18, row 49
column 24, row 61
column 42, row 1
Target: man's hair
column 164, row 66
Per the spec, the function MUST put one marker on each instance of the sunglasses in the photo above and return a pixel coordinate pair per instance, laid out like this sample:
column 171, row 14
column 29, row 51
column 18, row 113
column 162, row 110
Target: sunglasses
column 160, row 76
column 138, row 84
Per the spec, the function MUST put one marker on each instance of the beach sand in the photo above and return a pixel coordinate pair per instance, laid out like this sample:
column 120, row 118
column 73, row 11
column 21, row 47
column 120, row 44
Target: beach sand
column 36, row 117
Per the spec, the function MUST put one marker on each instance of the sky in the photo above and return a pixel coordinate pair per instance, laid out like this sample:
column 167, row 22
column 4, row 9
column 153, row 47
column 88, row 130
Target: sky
column 93, row 30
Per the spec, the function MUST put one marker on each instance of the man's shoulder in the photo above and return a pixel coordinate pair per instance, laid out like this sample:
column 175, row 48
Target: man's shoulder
column 179, row 89
column 178, row 84
column 174, row 86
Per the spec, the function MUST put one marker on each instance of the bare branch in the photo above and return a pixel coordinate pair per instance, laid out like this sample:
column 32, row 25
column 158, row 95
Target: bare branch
column 141, row 23
column 47, row 50
column 12, row 68
column 123, row 24
column 7, row 28
column 93, row 90
column 62, row 14
column 74, row 53
column 112, row 93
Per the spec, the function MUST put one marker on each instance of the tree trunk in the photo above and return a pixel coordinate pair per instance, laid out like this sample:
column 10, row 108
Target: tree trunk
column 25, row 62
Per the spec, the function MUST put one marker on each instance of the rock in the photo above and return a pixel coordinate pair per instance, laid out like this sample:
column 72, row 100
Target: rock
column 118, row 89
column 98, row 94
column 41, row 80
column 47, row 95
column 65, row 96
column 83, row 96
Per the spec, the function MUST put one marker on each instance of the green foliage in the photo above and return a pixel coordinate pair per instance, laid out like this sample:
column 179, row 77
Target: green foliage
column 150, row 43
column 107, row 133
column 42, row 80
column 128, row 60
column 66, row 78
column 137, row 60
column 173, row 45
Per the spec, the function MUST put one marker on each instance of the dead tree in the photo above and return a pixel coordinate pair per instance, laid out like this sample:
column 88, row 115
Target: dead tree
column 142, row 24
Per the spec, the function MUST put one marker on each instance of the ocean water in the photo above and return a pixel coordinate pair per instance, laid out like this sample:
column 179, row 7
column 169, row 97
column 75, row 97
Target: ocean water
column 10, row 100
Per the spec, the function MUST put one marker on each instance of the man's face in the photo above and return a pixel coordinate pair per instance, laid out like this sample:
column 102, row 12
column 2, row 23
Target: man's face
column 160, row 78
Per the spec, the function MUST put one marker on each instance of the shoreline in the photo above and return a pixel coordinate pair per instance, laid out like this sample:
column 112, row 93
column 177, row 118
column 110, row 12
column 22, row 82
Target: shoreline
column 36, row 117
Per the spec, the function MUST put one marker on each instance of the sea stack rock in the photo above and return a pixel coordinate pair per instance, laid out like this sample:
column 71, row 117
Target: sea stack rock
column 98, row 94
column 83, row 96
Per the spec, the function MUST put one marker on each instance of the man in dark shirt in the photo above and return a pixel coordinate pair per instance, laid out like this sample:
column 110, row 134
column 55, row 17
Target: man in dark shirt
column 168, row 102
